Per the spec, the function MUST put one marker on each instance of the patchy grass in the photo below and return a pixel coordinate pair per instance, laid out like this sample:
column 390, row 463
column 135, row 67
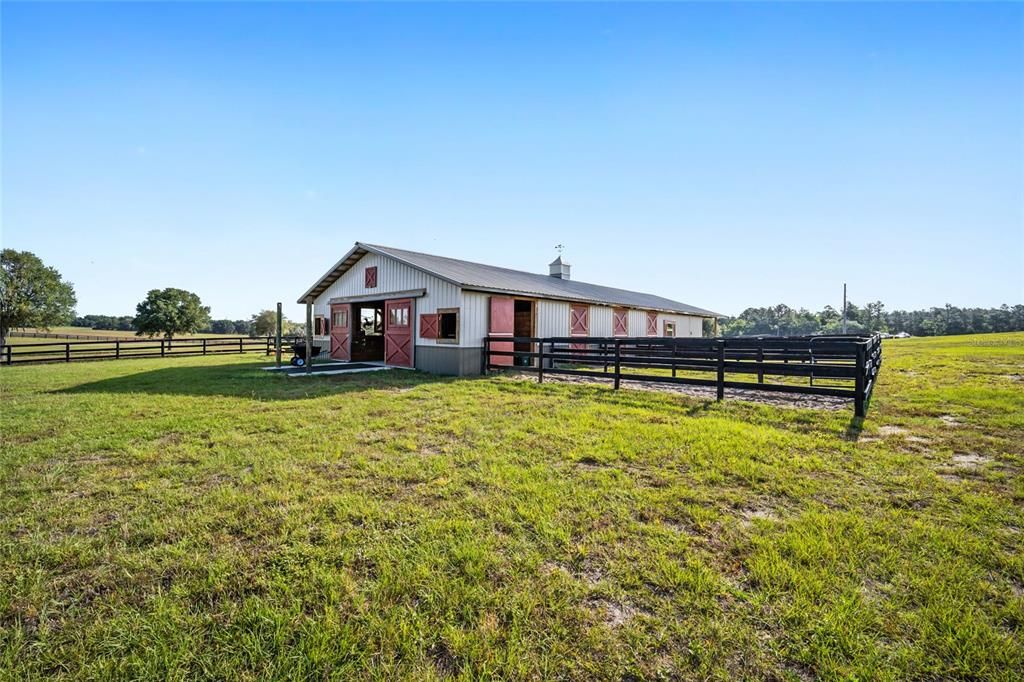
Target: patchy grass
column 197, row 518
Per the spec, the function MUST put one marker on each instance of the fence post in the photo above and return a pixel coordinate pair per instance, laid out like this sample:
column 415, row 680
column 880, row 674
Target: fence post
column 240, row 344
column 760, row 364
column 604, row 355
column 618, row 363
column 9, row 360
column 117, row 349
column 540, row 362
column 674, row 347
column 858, row 398
column 721, row 369
column 277, row 338
column 204, row 346
column 309, row 337
column 485, row 357
column 67, row 352
column 161, row 347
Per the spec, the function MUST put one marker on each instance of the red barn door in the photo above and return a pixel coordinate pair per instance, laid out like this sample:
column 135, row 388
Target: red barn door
column 503, row 317
column 579, row 323
column 398, row 332
column 340, row 325
column 620, row 322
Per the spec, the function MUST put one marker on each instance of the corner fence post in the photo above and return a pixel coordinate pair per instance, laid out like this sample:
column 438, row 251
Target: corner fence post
column 721, row 369
column 858, row 390
column 618, row 363
column 540, row 362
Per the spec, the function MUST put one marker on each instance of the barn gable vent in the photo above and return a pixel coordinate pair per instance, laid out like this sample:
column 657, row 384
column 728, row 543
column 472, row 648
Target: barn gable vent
column 559, row 268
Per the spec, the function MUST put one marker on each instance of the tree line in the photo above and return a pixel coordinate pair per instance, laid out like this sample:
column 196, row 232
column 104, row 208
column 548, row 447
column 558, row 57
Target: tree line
column 782, row 320
column 34, row 295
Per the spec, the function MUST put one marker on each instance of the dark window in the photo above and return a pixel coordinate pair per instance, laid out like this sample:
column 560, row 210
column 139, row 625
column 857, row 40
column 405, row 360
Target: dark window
column 448, row 325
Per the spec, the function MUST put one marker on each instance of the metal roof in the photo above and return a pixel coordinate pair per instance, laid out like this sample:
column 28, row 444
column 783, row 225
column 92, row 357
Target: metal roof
column 494, row 279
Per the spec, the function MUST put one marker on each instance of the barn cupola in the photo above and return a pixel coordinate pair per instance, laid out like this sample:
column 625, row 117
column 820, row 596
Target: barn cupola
column 559, row 268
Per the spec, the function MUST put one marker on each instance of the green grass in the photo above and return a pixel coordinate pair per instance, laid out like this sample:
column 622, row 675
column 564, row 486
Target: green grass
column 196, row 518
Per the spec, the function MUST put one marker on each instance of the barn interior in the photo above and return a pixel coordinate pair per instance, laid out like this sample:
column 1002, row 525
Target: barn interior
column 368, row 332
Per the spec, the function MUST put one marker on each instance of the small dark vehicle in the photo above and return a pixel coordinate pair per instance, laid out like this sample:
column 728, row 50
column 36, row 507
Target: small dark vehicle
column 300, row 358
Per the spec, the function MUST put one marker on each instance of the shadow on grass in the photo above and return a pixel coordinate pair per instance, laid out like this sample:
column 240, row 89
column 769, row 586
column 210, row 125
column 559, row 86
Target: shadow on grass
column 249, row 381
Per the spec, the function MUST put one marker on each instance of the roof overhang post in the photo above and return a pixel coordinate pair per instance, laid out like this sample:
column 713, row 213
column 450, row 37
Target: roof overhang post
column 309, row 336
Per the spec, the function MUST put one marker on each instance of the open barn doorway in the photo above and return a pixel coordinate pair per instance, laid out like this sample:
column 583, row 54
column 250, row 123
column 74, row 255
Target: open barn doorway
column 368, row 332
column 523, row 325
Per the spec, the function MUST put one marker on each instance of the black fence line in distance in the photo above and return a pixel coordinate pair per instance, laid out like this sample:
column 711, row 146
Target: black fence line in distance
column 844, row 366
column 129, row 348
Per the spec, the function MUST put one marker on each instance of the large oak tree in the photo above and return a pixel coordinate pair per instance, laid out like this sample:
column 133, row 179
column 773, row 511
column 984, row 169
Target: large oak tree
column 170, row 311
column 32, row 294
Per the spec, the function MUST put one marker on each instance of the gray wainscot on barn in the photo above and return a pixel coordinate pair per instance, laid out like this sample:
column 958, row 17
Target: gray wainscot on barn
column 409, row 309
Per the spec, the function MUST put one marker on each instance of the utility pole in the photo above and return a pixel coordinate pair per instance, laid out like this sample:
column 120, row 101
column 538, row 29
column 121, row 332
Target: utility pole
column 844, row 307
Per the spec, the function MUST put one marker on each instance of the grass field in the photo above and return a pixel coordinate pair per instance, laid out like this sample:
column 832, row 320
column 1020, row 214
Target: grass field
column 197, row 518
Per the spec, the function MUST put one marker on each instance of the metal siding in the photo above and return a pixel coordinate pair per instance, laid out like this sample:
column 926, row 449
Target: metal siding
column 600, row 321
column 552, row 318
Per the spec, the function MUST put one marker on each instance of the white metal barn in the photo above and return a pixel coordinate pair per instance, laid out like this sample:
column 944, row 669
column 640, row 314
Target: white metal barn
column 409, row 309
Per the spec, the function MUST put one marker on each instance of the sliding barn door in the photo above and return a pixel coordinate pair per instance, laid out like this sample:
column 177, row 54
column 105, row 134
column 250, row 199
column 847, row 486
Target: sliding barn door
column 340, row 325
column 398, row 332
column 503, row 317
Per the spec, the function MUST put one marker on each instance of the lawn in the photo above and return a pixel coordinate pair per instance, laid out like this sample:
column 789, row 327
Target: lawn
column 197, row 518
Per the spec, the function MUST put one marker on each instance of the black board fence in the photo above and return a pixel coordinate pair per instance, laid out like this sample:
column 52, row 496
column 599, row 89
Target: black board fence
column 126, row 348
column 835, row 366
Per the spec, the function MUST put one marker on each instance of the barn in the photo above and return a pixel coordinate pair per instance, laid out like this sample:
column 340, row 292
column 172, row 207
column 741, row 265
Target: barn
column 409, row 309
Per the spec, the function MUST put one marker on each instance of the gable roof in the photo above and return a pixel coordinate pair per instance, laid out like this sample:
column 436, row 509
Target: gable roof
column 494, row 279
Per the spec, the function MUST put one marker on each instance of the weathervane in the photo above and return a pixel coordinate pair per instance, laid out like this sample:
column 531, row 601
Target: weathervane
column 559, row 248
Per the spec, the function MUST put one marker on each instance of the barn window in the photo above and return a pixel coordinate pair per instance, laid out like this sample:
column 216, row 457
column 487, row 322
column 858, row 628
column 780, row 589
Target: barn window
column 340, row 319
column 670, row 328
column 370, row 276
column 448, row 325
column 398, row 317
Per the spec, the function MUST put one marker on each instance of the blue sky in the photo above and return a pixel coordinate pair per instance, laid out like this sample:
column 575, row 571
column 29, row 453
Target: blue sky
column 722, row 155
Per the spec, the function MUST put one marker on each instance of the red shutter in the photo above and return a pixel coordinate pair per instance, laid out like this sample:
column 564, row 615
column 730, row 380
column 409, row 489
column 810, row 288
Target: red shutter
column 579, row 320
column 428, row 326
column 652, row 324
column 370, row 276
column 502, row 323
column 620, row 322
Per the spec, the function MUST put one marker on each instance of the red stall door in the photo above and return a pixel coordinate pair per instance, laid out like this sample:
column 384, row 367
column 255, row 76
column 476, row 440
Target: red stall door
column 341, row 349
column 503, row 317
column 398, row 332
column 579, row 324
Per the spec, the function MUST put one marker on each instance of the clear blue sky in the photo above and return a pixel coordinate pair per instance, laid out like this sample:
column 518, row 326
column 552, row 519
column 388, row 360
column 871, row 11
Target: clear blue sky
column 723, row 155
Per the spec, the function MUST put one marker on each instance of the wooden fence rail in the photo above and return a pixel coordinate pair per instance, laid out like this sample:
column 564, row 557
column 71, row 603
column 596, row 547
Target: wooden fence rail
column 126, row 348
column 836, row 366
